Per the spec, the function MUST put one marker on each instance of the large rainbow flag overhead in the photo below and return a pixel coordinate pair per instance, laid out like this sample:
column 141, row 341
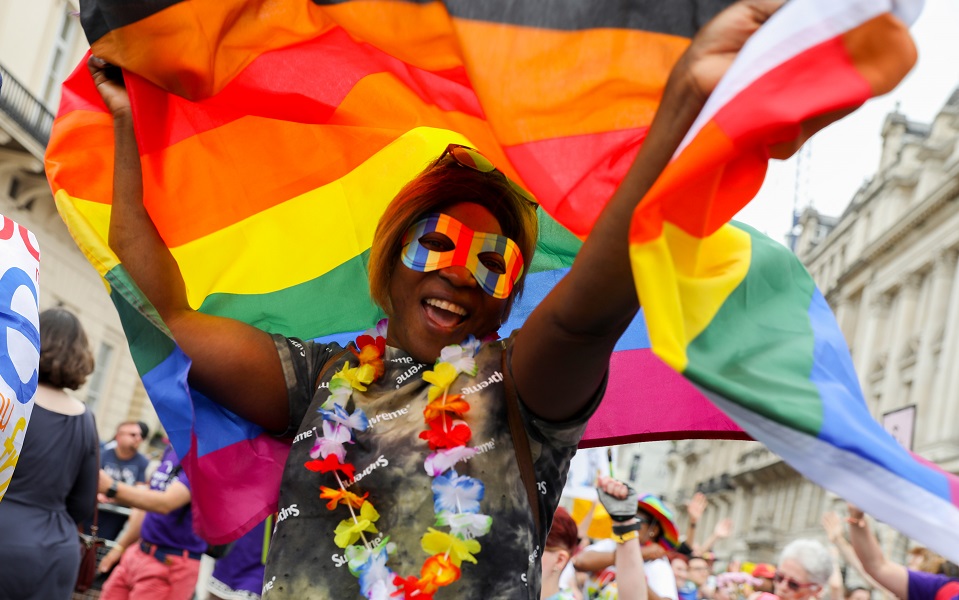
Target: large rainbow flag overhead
column 273, row 134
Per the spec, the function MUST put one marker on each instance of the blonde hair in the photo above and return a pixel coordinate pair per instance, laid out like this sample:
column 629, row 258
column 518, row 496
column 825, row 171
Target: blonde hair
column 440, row 185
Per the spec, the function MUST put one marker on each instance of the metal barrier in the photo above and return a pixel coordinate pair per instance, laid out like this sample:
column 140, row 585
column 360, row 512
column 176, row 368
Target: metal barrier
column 24, row 108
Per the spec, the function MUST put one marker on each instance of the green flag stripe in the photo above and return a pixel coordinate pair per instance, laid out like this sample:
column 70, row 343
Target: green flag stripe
column 339, row 300
column 758, row 349
column 149, row 340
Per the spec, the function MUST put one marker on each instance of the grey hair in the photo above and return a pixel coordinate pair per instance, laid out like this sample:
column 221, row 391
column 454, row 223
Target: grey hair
column 811, row 556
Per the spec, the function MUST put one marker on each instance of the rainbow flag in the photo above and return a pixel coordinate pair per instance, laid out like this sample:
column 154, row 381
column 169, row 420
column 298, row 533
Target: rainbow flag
column 737, row 314
column 304, row 120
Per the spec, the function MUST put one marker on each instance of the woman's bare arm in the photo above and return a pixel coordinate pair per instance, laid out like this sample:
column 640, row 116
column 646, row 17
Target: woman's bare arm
column 892, row 576
column 563, row 350
column 233, row 363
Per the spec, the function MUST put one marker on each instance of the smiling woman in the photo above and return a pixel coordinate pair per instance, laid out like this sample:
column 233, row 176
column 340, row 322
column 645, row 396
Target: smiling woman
column 416, row 435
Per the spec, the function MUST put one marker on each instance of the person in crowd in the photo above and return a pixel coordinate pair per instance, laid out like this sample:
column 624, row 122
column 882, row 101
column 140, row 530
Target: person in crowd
column 694, row 511
column 144, row 434
column 924, row 559
column 54, row 485
column 738, row 585
column 561, row 544
column 903, row 582
column 858, row 593
column 158, row 552
column 685, row 587
column 765, row 574
column 446, row 263
column 654, row 523
column 238, row 575
column 832, row 525
column 701, row 575
column 803, row 572
column 122, row 461
column 625, row 577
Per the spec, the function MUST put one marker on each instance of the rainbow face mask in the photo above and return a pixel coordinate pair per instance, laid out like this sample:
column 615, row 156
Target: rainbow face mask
column 494, row 260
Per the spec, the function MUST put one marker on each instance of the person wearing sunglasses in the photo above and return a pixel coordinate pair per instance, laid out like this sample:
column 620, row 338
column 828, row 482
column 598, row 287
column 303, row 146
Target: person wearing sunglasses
column 803, row 571
column 404, row 478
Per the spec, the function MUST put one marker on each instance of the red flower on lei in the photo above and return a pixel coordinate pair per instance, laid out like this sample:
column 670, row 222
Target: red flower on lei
column 330, row 464
column 444, row 432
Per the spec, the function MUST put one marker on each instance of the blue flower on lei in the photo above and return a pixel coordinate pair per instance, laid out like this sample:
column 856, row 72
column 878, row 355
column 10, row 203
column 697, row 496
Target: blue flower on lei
column 457, row 493
column 374, row 574
column 357, row 420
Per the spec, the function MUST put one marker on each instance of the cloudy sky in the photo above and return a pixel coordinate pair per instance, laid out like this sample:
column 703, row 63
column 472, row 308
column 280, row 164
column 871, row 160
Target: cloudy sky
column 846, row 153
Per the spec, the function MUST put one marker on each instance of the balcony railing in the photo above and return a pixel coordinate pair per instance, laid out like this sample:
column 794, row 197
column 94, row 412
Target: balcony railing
column 24, row 109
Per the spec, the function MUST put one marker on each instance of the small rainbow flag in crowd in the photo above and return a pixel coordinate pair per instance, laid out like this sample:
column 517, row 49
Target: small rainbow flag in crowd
column 271, row 140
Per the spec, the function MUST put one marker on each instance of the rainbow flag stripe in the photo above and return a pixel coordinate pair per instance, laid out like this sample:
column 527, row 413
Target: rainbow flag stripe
column 737, row 314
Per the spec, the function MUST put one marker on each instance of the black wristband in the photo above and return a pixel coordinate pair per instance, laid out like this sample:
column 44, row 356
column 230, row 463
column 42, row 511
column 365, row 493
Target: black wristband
column 112, row 492
column 624, row 529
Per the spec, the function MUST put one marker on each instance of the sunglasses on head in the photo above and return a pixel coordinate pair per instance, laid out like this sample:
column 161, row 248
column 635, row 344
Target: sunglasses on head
column 791, row 583
column 471, row 158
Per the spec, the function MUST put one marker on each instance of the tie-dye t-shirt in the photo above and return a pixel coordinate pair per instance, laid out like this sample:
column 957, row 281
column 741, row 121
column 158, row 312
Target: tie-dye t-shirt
column 305, row 563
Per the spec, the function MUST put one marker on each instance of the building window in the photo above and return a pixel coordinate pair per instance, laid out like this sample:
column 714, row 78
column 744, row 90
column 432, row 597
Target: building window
column 98, row 379
column 66, row 33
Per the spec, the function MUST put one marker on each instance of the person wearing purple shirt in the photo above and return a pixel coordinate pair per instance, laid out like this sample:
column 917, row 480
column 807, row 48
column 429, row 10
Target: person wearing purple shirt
column 239, row 574
column 927, row 586
column 904, row 583
column 160, row 551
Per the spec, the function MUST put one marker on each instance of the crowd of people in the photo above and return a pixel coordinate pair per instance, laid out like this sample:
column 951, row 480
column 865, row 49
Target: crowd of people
column 155, row 554
column 850, row 566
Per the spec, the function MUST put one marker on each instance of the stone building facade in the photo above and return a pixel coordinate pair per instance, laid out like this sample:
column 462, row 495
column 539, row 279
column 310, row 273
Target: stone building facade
column 888, row 268
column 40, row 43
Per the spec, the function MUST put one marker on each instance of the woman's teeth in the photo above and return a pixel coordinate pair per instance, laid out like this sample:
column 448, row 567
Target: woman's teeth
column 447, row 306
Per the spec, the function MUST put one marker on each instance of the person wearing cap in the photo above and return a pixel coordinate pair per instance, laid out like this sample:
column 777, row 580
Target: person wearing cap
column 657, row 534
column 765, row 573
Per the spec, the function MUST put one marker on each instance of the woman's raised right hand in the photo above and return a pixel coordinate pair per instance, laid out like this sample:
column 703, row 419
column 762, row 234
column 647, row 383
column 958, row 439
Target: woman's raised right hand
column 113, row 92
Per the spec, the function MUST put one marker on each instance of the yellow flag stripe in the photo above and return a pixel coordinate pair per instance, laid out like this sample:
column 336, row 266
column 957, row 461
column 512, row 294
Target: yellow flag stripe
column 341, row 215
column 685, row 280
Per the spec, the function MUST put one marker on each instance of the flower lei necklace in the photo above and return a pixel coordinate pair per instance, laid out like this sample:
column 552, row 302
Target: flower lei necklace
column 456, row 498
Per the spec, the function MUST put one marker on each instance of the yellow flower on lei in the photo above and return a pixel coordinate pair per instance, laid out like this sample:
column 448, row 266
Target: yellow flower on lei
column 439, row 542
column 357, row 377
column 441, row 377
column 348, row 531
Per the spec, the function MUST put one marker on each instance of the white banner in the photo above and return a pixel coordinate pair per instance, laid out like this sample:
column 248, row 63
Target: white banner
column 19, row 340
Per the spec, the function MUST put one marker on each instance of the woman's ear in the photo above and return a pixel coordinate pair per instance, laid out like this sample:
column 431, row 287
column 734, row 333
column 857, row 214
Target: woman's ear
column 562, row 559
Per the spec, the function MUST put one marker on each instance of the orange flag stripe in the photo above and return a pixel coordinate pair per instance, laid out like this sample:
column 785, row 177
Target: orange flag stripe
column 882, row 51
column 262, row 176
column 574, row 83
column 63, row 154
